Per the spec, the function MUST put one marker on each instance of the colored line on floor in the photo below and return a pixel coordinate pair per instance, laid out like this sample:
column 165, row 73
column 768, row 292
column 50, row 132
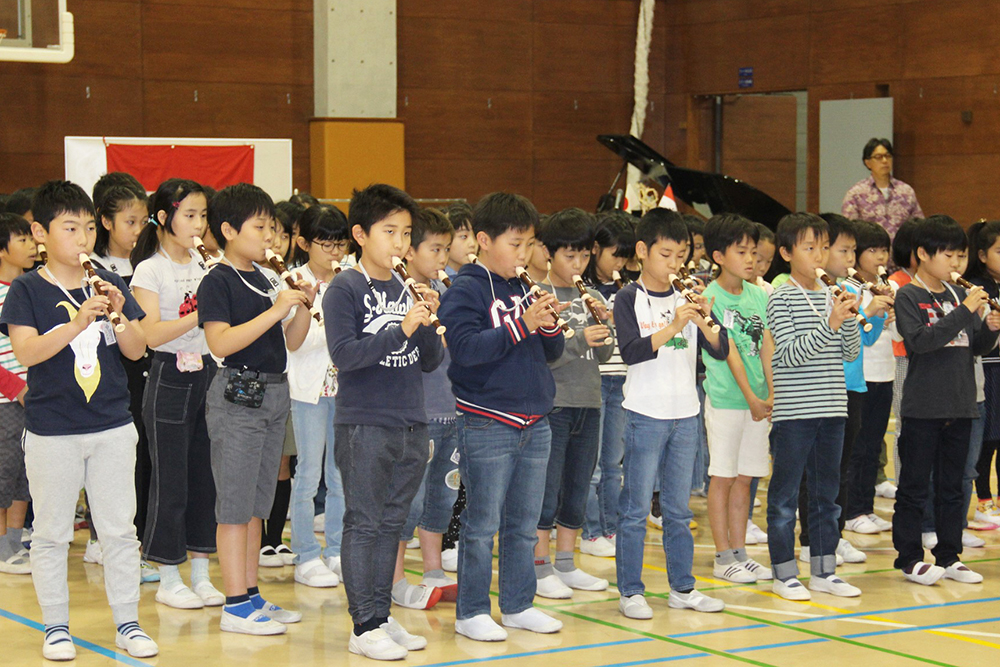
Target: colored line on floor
column 122, row 658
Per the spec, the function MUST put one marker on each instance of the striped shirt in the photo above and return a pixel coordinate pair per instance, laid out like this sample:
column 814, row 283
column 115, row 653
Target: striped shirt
column 8, row 362
column 809, row 356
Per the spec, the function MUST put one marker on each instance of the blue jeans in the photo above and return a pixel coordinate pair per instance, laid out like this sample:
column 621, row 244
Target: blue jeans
column 313, row 426
column 700, row 478
column 606, row 483
column 503, row 470
column 975, row 447
column 576, row 436
column 812, row 446
column 431, row 507
column 667, row 447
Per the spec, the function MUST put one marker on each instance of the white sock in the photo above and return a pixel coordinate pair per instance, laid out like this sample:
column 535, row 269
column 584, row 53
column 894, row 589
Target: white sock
column 199, row 570
column 170, row 578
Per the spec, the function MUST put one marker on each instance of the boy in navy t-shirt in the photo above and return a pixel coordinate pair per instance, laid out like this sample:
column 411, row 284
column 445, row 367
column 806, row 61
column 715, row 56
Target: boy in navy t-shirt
column 79, row 429
column 241, row 310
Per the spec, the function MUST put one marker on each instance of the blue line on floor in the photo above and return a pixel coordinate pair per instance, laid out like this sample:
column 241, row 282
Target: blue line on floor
column 653, row 661
column 893, row 631
column 507, row 656
column 764, row 647
column 123, row 658
column 698, row 633
column 891, row 611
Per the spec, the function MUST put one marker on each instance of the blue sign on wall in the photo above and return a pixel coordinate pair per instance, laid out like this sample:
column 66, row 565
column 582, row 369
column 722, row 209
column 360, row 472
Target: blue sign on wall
column 746, row 77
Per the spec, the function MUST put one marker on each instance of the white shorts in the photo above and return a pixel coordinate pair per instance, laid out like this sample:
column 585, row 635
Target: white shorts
column 737, row 444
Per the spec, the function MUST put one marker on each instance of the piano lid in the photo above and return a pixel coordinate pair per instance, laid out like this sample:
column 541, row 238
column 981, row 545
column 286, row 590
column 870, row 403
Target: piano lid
column 721, row 193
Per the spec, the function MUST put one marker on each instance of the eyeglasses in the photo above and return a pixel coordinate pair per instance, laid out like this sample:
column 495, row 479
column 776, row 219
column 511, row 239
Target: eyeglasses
column 330, row 246
column 881, row 157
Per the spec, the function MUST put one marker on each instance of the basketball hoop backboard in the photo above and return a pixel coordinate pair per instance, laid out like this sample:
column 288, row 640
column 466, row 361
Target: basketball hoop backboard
column 39, row 31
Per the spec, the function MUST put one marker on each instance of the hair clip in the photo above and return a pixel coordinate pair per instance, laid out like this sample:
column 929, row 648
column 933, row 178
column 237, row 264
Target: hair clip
column 176, row 204
column 152, row 219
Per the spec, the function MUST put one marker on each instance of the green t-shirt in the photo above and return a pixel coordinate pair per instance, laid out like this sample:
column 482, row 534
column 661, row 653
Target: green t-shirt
column 745, row 319
column 780, row 280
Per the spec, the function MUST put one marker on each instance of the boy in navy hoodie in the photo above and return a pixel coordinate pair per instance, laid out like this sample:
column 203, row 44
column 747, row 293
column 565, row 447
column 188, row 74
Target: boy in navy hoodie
column 381, row 341
column 501, row 341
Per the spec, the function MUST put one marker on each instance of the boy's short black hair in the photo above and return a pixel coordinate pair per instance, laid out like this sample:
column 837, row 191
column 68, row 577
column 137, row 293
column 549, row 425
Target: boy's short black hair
column 460, row 215
column 430, row 221
column 870, row 234
column 58, row 197
column 695, row 224
column 765, row 233
column 376, row 203
column 728, row 229
column 236, row 204
column 902, row 243
column 662, row 224
column 793, row 227
column 19, row 201
column 500, row 212
column 838, row 225
column 323, row 223
column 11, row 225
column 570, row 228
column 938, row 233
column 292, row 210
column 304, row 199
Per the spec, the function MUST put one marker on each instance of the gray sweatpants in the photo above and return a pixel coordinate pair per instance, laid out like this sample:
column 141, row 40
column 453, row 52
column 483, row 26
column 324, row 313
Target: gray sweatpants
column 381, row 468
column 58, row 466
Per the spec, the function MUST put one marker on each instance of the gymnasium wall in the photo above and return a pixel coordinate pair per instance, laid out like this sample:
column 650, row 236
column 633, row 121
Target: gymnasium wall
column 510, row 94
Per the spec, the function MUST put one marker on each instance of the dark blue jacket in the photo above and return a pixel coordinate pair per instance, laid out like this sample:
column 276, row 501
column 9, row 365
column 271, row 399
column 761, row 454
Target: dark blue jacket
column 498, row 368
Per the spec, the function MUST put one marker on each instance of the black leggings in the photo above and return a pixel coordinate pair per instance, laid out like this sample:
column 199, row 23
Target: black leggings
column 983, row 469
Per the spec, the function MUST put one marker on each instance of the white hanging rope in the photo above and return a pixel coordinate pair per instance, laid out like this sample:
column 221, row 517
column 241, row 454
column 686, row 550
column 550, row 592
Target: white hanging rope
column 643, row 37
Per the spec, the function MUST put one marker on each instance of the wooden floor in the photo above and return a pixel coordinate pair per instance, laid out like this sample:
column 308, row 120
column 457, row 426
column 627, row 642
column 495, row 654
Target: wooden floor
column 892, row 623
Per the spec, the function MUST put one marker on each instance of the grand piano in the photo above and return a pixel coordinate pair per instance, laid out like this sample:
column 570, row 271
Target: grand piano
column 706, row 192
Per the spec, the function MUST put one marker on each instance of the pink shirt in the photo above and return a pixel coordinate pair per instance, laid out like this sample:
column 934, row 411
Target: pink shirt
column 864, row 201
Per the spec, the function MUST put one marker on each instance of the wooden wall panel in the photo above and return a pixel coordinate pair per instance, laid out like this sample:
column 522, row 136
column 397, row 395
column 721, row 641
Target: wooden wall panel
column 558, row 184
column 478, row 10
column 469, row 178
column 566, row 125
column 463, row 54
column 846, row 49
column 571, row 56
column 962, row 186
column 952, row 38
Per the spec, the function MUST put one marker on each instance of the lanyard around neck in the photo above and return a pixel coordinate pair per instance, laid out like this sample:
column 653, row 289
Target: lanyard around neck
column 269, row 294
column 83, row 287
column 805, row 293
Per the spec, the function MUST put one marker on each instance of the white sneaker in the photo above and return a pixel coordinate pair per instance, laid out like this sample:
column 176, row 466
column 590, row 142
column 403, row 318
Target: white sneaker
column 93, row 553
column 417, row 597
column 481, row 628
column 804, row 556
column 924, row 573
column 850, row 554
column 928, row 540
column 287, row 555
column 862, row 525
column 552, row 587
column 283, row 616
column 791, row 589
column 179, row 598
column 833, row 585
column 655, row 521
column 333, row 564
column 694, row 600
column 734, row 572
column 377, row 645
column 883, row 525
column 414, row 543
column 886, row 490
column 148, row 574
column 137, row 643
column 399, row 635
column 959, row 572
column 449, row 560
column 756, row 502
column 635, row 606
column 255, row 624
column 58, row 646
column 582, row 581
column 757, row 532
column 597, row 546
column 16, row 564
column 316, row 574
column 759, row 571
column 970, row 540
column 270, row 558
column 532, row 620
column 208, row 593
column 319, row 524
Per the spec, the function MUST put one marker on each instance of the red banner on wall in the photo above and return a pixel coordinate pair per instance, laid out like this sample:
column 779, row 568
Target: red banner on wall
column 216, row 166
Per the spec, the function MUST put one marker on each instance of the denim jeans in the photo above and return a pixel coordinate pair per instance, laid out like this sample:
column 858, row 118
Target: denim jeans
column 941, row 445
column 813, row 447
column 181, row 490
column 431, row 507
column 606, row 483
column 503, row 470
column 700, row 479
column 971, row 472
column 381, row 468
column 664, row 448
column 576, row 436
column 868, row 447
column 314, row 440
